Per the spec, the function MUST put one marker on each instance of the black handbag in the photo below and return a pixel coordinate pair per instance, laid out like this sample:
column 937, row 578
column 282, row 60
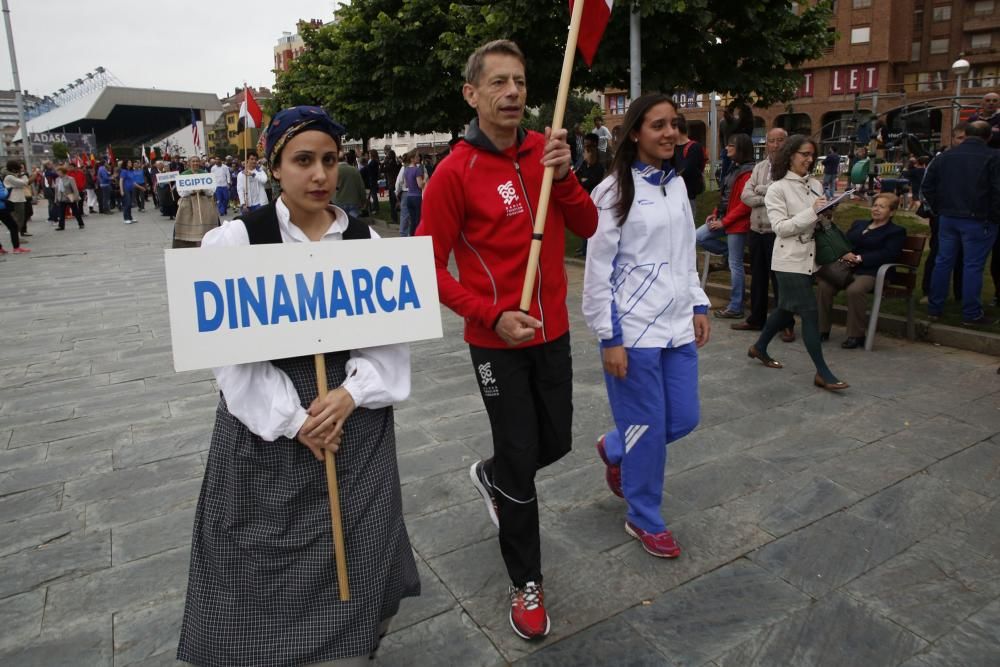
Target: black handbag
column 839, row 274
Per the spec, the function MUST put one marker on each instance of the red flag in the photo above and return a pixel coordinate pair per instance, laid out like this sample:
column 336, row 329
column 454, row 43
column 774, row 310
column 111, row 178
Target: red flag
column 250, row 113
column 596, row 14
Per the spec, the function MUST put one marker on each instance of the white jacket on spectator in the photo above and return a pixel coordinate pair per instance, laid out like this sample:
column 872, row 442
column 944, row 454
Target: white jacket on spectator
column 790, row 209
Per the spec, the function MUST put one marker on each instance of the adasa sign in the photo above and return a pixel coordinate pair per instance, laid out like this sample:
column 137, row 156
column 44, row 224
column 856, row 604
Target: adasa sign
column 256, row 303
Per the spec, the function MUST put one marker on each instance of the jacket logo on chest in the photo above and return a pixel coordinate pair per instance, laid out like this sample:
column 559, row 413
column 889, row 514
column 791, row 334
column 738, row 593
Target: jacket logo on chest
column 510, row 199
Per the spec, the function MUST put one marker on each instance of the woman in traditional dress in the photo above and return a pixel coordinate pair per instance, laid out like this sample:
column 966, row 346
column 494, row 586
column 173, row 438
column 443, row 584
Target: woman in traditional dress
column 263, row 587
column 196, row 211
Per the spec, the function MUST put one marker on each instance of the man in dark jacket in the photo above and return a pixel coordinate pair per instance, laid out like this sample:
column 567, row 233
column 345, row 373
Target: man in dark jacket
column 480, row 206
column 962, row 187
column 689, row 161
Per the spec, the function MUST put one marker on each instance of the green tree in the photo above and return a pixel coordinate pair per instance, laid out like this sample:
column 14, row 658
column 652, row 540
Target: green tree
column 578, row 110
column 396, row 65
column 60, row 150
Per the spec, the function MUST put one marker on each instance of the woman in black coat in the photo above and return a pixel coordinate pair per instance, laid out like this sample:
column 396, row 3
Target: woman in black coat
column 874, row 242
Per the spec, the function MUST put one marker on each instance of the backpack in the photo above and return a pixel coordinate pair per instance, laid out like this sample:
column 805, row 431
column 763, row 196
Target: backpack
column 4, row 195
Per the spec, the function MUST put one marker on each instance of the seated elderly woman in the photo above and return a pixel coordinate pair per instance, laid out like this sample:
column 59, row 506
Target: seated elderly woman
column 874, row 242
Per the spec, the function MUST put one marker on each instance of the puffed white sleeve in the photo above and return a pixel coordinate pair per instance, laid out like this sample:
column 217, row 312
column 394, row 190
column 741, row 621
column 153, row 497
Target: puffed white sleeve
column 378, row 377
column 259, row 394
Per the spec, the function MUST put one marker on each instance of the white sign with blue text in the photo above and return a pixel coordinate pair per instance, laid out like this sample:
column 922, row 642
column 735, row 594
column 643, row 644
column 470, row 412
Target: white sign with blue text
column 272, row 301
column 195, row 182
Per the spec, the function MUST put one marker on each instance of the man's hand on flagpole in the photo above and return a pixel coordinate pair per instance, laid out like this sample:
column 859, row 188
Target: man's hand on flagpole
column 557, row 153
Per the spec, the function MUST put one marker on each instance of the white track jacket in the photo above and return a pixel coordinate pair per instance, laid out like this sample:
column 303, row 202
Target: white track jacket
column 641, row 287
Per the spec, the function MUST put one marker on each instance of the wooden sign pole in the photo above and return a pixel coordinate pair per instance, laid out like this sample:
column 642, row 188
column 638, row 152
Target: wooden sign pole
column 331, row 487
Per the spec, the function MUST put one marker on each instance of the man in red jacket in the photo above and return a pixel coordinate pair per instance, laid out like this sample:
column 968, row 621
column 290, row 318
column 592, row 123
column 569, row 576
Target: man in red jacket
column 479, row 206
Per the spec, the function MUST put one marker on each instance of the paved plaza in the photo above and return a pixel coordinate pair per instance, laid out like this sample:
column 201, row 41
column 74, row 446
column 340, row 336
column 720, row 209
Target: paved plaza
column 857, row 529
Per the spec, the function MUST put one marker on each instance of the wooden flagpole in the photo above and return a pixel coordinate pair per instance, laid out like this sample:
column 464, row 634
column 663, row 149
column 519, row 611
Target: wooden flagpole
column 557, row 121
column 331, row 488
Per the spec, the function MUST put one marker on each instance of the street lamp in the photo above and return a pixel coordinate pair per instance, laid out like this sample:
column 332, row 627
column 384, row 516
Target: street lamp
column 959, row 67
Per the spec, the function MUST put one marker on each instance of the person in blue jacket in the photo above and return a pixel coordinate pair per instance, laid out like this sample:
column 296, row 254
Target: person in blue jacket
column 643, row 299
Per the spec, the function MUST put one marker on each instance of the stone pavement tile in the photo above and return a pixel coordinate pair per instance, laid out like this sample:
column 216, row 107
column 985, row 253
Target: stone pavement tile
column 976, row 468
column 720, row 481
column 984, row 412
column 22, row 456
column 876, row 421
column 162, row 362
column 940, row 437
column 708, row 538
column 793, row 502
column 143, row 633
column 105, row 398
column 798, row 451
column 930, row 588
column 88, row 645
column 48, row 394
column 763, row 425
column 434, row 599
column 143, row 504
column 920, row 505
column 974, row 643
column 610, row 642
column 121, row 483
column 98, row 441
column 39, row 414
column 451, row 400
column 452, row 457
column 977, row 530
column 873, row 467
column 718, row 408
column 166, row 439
column 43, row 474
column 59, row 369
column 450, row 529
column 827, row 554
column 593, row 528
column 451, row 638
column 123, row 587
column 151, row 536
column 701, row 446
column 62, row 559
column 40, row 500
column 21, row 618
column 456, row 427
column 432, row 494
column 576, row 488
column 481, row 445
column 68, row 428
column 23, row 533
column 716, row 612
column 411, row 438
column 833, row 632
column 165, row 659
column 5, row 435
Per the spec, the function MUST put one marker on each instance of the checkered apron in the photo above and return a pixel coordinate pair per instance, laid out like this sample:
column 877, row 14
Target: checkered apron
column 262, row 589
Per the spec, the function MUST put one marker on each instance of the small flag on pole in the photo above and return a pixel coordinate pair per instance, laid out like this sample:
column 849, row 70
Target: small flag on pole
column 596, row 14
column 250, row 113
column 194, row 133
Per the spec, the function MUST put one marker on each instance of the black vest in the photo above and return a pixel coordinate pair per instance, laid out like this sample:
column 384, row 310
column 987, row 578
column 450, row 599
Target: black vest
column 262, row 226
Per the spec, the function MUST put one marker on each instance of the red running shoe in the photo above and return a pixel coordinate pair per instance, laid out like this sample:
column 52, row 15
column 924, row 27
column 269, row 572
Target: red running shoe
column 20, row 250
column 661, row 545
column 527, row 611
column 612, row 472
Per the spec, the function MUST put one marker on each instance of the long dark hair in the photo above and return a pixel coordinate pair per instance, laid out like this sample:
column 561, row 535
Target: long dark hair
column 744, row 147
column 783, row 161
column 627, row 150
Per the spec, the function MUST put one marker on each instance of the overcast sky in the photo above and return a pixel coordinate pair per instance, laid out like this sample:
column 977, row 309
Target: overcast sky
column 207, row 46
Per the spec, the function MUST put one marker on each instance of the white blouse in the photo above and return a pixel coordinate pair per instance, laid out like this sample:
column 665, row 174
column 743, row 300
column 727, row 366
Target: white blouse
column 263, row 397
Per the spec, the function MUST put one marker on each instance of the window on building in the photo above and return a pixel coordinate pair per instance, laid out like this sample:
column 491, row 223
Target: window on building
column 918, row 22
column 861, row 35
column 982, row 40
column 983, row 8
column 939, row 45
column 832, row 32
column 942, row 13
column 861, row 4
column 915, row 51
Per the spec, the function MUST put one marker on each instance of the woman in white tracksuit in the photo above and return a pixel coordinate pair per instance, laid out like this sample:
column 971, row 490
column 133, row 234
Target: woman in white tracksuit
column 643, row 299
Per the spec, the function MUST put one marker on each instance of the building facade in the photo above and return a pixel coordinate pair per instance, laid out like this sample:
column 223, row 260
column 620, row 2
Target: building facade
column 224, row 136
column 891, row 64
column 290, row 46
